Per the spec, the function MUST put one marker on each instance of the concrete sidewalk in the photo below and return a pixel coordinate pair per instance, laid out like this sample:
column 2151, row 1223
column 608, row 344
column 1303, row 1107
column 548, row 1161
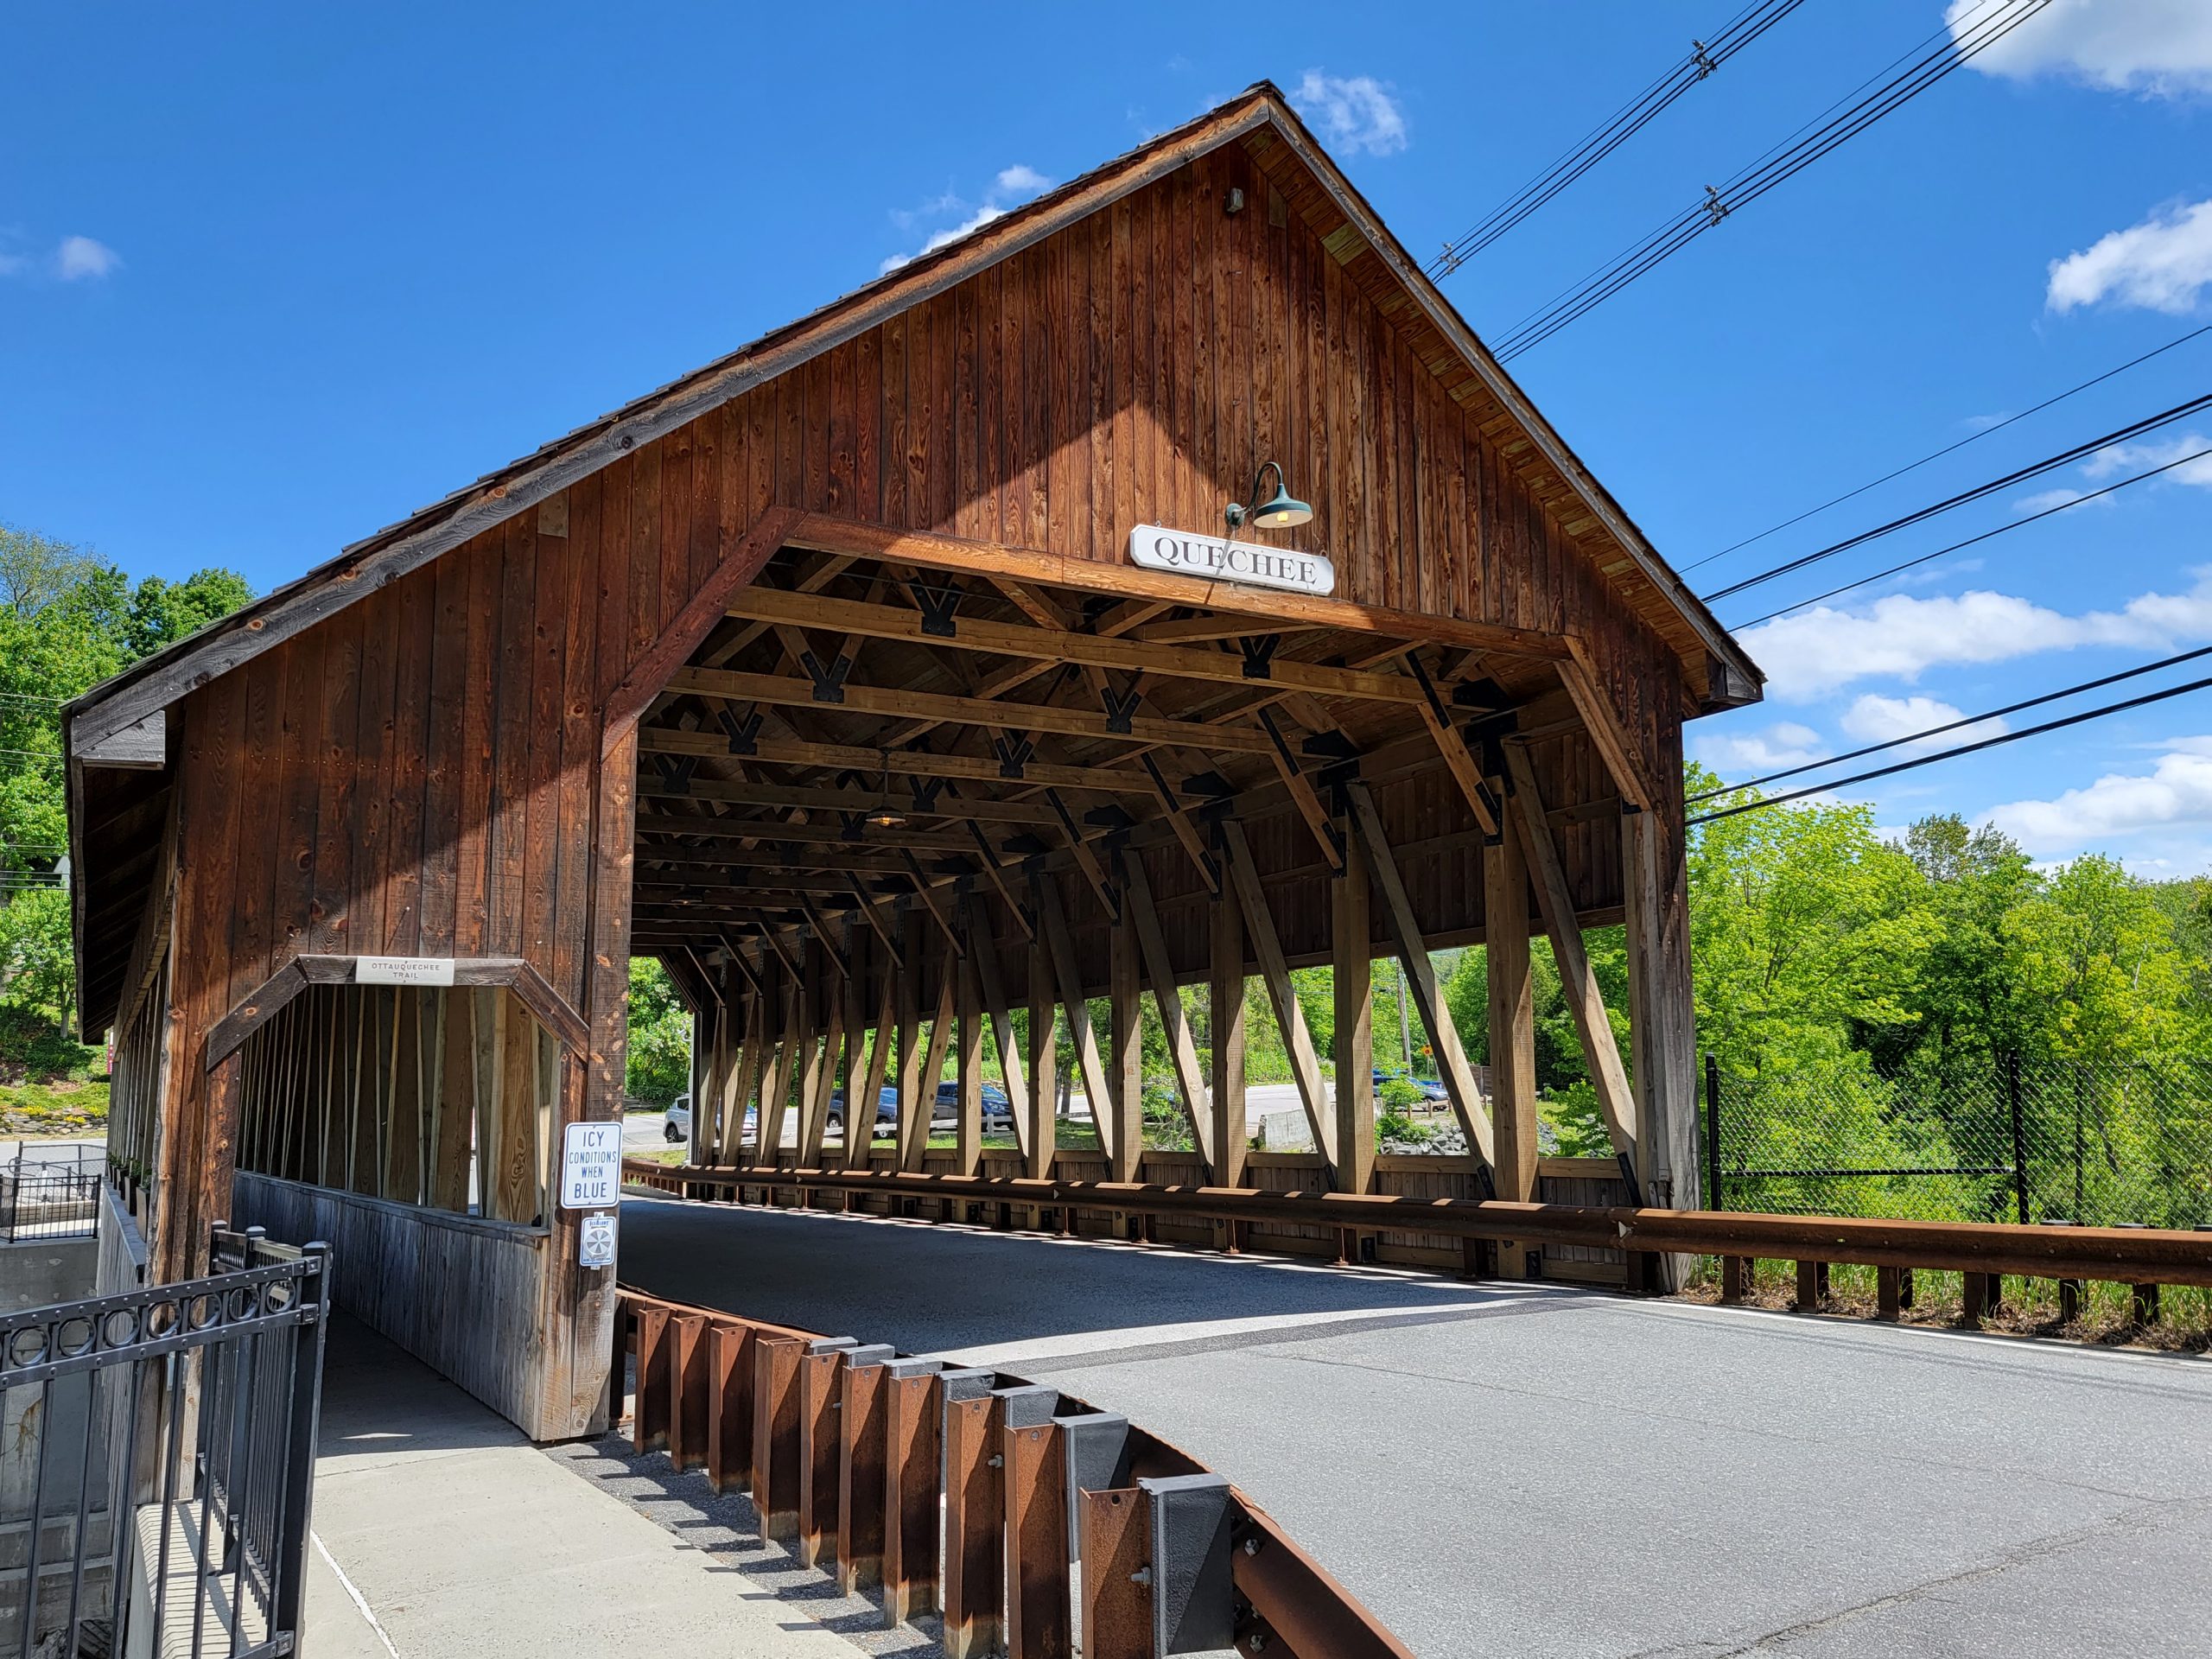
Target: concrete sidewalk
column 440, row 1531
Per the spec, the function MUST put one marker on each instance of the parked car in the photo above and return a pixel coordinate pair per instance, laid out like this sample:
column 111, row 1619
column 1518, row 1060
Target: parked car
column 887, row 1110
column 677, row 1120
column 998, row 1110
column 1431, row 1089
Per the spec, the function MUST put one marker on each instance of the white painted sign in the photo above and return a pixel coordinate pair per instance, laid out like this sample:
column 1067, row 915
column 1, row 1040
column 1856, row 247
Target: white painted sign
column 591, row 1167
column 596, row 1248
column 403, row 971
column 1190, row 555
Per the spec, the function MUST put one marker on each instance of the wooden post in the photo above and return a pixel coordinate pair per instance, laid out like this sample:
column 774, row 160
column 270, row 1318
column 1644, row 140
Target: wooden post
column 1662, row 1020
column 1601, row 1053
column 967, row 1065
column 1354, row 1045
column 1512, row 1034
column 913, row 1148
column 1053, row 922
column 983, row 952
column 1125, row 1146
column 1182, row 1049
column 1044, row 1060
column 913, row 1107
column 860, row 1098
column 1275, row 973
column 1225, row 1019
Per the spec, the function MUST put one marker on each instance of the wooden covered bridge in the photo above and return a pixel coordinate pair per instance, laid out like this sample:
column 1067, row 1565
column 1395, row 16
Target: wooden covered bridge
column 903, row 669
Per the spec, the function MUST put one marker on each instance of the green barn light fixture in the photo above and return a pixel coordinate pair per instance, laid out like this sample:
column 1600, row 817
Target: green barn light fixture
column 1282, row 511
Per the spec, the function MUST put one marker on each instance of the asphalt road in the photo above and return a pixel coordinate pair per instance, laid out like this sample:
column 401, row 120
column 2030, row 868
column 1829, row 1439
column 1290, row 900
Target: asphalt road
column 1544, row 1472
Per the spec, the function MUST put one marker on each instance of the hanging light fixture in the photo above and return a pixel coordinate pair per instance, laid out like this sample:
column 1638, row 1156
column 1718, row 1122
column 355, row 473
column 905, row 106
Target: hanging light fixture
column 1281, row 510
column 885, row 816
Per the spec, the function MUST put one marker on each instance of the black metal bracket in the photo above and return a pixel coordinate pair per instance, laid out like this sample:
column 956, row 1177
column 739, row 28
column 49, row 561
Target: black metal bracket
column 937, row 605
column 926, row 791
column 743, row 733
column 828, row 678
column 1013, row 752
column 1259, row 650
column 1329, row 745
column 1121, row 707
column 850, row 824
column 676, row 771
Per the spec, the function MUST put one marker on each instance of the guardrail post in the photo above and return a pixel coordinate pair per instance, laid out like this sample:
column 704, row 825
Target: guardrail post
column 1735, row 1278
column 687, row 1390
column 975, row 1506
column 649, row 1407
column 1889, row 1294
column 1193, row 1601
column 1975, row 1301
column 1038, row 1614
column 1812, row 1285
column 729, row 1405
column 913, row 1441
column 1117, row 1574
column 860, row 1471
column 2145, row 1306
column 818, row 1377
column 775, row 1434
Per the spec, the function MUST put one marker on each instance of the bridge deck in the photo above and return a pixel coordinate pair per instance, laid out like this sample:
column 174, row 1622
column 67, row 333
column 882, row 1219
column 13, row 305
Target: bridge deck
column 1538, row 1471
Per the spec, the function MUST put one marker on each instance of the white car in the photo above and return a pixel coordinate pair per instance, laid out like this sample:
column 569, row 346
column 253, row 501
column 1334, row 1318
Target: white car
column 676, row 1119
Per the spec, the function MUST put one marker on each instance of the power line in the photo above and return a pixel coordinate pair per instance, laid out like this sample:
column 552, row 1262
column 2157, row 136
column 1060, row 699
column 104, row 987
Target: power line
column 1763, row 175
column 1955, row 725
column 1632, row 117
column 1987, row 534
column 2049, row 463
column 1952, row 754
column 1937, row 455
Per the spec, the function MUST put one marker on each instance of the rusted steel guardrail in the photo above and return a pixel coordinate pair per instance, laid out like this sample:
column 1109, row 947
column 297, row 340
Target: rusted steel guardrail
column 1985, row 1254
column 976, row 1495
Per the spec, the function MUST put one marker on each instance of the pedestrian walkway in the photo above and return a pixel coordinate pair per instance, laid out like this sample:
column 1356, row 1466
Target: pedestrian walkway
column 440, row 1531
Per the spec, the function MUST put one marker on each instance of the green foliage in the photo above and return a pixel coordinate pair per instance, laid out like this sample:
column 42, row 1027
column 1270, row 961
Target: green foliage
column 68, row 620
column 660, row 1035
column 1395, row 1125
column 1575, row 1117
column 1397, row 1093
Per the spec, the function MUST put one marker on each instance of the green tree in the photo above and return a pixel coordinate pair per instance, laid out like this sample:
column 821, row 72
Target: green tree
column 660, row 1035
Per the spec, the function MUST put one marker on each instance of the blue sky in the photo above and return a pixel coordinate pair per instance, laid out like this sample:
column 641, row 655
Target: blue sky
column 270, row 280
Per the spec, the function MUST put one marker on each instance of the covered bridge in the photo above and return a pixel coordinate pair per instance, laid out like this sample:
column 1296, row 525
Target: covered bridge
column 905, row 668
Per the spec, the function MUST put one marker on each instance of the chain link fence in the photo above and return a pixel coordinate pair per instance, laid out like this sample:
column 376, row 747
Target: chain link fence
column 1983, row 1137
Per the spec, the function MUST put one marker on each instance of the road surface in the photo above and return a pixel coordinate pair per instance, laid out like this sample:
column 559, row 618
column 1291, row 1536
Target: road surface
column 1537, row 1470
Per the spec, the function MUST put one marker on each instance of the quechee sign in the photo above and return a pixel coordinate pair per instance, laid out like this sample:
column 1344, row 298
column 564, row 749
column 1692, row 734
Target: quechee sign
column 1190, row 555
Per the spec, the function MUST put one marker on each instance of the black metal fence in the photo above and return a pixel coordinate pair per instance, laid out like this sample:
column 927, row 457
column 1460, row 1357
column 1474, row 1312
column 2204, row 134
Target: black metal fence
column 53, row 1197
column 157, row 1459
column 1982, row 1137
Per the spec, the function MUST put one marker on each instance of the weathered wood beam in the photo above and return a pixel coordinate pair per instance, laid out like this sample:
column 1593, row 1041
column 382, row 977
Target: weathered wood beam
column 1160, row 973
column 902, row 763
column 1052, row 921
column 1038, row 1145
column 809, row 834
column 1421, row 972
column 1124, row 1140
column 1055, row 645
column 984, row 808
column 916, row 1139
column 984, row 949
column 1452, row 747
column 1132, row 582
column 780, row 691
column 1225, row 1026
column 968, row 1070
column 1601, row 1053
column 1352, row 1042
column 924, row 890
column 1580, row 676
column 1275, row 973
column 908, row 1007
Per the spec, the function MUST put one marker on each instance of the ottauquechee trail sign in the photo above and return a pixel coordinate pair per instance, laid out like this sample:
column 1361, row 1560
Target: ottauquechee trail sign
column 1190, row 555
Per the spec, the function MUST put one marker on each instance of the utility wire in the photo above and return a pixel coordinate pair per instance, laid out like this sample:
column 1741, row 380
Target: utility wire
column 1765, row 175
column 1937, row 455
column 1952, row 754
column 2049, row 463
column 1987, row 534
column 1955, row 725
column 1705, row 57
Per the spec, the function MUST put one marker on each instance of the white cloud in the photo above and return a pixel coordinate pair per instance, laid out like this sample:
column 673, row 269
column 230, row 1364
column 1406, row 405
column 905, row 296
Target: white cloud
column 79, row 257
column 2162, row 264
column 2044, row 501
column 1772, row 750
column 1881, row 719
column 1352, row 111
column 1014, row 184
column 1811, row 653
column 2176, row 792
column 2162, row 47
column 2157, row 452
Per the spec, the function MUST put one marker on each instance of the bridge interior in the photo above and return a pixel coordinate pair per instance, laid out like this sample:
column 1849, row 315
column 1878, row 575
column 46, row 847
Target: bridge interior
column 888, row 801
